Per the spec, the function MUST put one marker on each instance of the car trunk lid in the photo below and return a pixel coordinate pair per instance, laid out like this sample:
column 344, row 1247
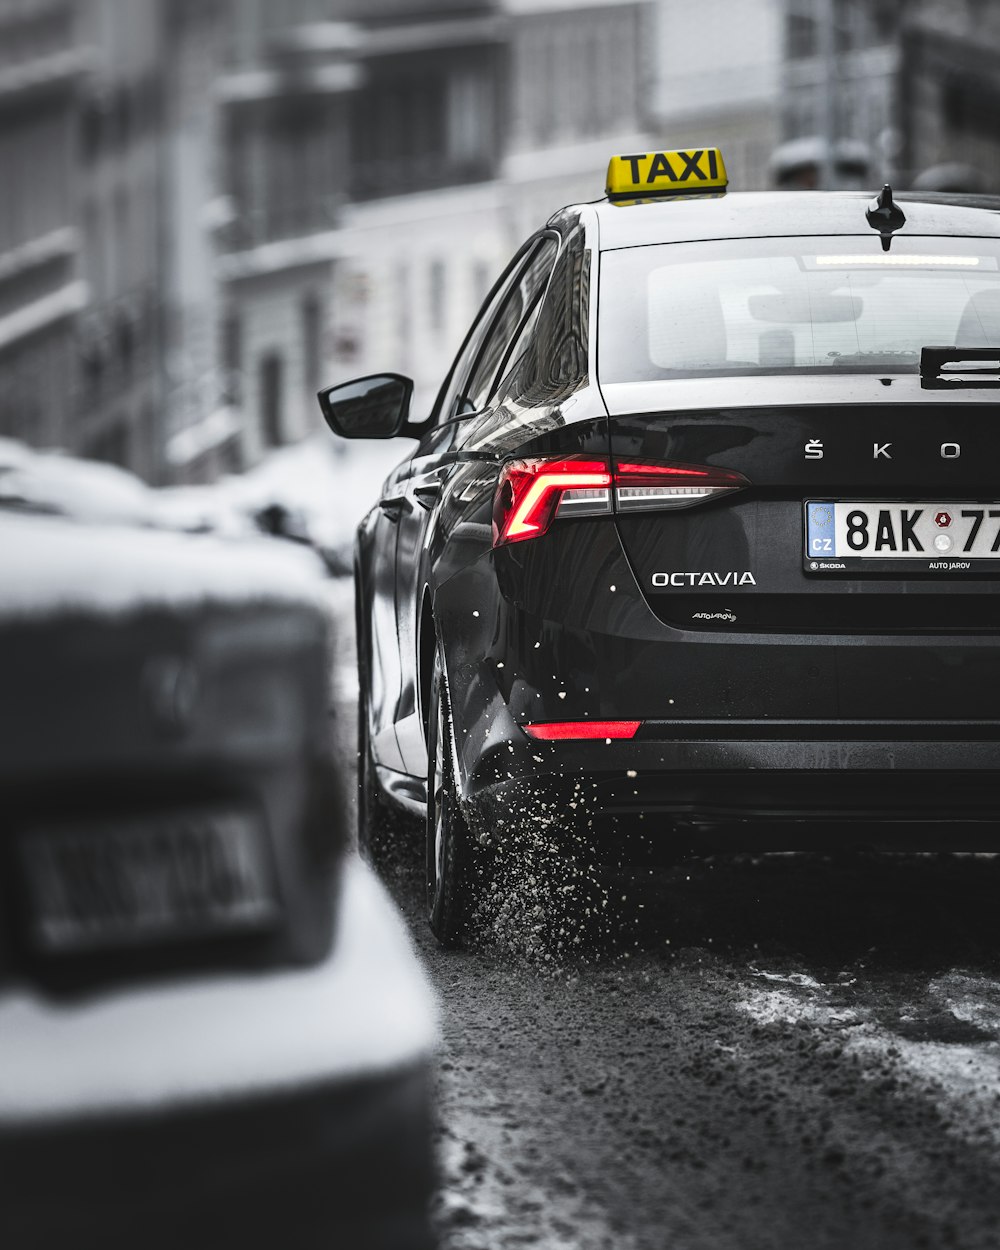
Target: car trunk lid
column 738, row 565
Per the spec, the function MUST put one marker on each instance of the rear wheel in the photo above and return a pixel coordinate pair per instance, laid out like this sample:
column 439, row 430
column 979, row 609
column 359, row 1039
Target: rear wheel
column 451, row 881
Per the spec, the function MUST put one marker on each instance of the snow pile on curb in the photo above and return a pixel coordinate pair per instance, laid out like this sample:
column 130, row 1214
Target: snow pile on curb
column 325, row 483
column 137, row 546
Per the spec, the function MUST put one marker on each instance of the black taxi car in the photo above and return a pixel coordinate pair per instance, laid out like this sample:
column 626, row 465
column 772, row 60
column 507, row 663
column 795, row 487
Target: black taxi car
column 703, row 529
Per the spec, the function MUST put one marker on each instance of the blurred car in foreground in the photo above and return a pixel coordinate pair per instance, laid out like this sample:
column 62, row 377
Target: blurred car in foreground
column 700, row 543
column 211, row 1032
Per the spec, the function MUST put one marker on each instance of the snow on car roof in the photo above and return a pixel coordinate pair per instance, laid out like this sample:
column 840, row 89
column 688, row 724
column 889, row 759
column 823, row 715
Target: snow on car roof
column 50, row 565
column 85, row 489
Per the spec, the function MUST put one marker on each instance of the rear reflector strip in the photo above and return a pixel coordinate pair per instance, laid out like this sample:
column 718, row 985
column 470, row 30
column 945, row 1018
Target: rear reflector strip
column 565, row 730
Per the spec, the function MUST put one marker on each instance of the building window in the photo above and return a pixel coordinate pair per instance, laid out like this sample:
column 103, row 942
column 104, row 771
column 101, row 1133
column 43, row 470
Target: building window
column 403, row 330
column 125, row 341
column 271, row 389
column 800, row 36
column 312, row 342
column 467, row 119
column 127, row 260
column 545, row 78
column 232, row 358
column 91, row 129
column 112, row 445
column 436, row 296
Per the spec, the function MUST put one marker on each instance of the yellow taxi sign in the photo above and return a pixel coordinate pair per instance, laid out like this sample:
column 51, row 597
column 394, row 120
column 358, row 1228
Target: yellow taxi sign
column 667, row 173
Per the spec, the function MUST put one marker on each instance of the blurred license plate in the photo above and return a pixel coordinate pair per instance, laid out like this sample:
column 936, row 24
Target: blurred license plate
column 134, row 882
column 908, row 537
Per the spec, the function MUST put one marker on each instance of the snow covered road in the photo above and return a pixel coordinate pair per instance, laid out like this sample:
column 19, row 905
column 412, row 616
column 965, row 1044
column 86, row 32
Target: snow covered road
column 805, row 1054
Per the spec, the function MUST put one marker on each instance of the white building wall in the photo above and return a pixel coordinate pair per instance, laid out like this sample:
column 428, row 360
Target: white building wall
column 579, row 90
column 408, row 273
column 270, row 309
column 717, row 81
column 388, row 311
column 716, row 55
column 574, row 94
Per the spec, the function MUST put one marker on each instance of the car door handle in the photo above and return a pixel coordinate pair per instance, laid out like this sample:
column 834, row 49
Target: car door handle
column 426, row 493
column 394, row 506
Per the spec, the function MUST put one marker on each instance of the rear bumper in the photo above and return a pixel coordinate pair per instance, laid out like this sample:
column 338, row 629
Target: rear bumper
column 274, row 1108
column 737, row 728
column 771, row 792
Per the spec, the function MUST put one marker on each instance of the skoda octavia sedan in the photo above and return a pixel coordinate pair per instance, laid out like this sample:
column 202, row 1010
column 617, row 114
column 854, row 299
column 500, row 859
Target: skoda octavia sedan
column 699, row 544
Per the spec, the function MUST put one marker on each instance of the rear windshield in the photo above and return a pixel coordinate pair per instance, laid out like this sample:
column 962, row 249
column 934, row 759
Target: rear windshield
column 766, row 306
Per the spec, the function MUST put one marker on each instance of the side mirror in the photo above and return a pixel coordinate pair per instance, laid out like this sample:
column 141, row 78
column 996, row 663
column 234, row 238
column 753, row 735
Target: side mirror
column 374, row 407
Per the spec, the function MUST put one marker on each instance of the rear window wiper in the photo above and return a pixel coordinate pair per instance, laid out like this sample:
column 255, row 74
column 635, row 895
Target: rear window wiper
column 935, row 376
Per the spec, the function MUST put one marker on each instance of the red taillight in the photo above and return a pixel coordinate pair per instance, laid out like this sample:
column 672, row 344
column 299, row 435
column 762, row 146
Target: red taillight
column 654, row 486
column 532, row 493
column 561, row 731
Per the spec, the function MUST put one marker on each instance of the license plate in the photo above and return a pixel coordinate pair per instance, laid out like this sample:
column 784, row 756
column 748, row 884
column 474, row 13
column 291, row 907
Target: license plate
column 912, row 537
column 135, row 882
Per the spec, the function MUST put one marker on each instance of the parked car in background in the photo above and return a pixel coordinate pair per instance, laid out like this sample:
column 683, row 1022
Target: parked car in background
column 212, row 1028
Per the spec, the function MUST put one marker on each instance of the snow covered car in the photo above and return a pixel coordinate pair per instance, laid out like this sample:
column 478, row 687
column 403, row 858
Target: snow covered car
column 211, row 1031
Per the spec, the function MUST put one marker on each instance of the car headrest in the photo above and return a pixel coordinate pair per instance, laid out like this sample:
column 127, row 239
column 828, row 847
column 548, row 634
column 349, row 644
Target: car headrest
column 979, row 325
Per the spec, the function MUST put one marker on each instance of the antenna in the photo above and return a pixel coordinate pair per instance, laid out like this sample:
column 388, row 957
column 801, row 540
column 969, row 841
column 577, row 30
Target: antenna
column 885, row 216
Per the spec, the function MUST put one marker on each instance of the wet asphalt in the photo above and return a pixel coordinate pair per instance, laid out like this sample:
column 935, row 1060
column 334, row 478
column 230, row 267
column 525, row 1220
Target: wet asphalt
column 770, row 1051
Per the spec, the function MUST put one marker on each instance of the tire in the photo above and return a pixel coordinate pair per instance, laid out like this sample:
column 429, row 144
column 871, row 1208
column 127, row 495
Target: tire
column 452, row 883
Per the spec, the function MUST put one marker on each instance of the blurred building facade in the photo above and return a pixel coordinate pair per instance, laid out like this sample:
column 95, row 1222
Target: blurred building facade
column 43, row 61
column 214, row 207
column 949, row 95
column 717, row 82
column 841, row 61
column 579, row 85
column 531, row 97
column 386, row 123
column 117, row 179
column 905, row 91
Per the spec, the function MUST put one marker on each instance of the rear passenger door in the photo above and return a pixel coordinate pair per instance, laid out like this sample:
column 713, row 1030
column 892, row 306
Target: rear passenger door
column 464, row 395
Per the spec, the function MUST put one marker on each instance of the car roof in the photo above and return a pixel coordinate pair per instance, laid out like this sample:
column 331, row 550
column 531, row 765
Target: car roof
column 766, row 214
